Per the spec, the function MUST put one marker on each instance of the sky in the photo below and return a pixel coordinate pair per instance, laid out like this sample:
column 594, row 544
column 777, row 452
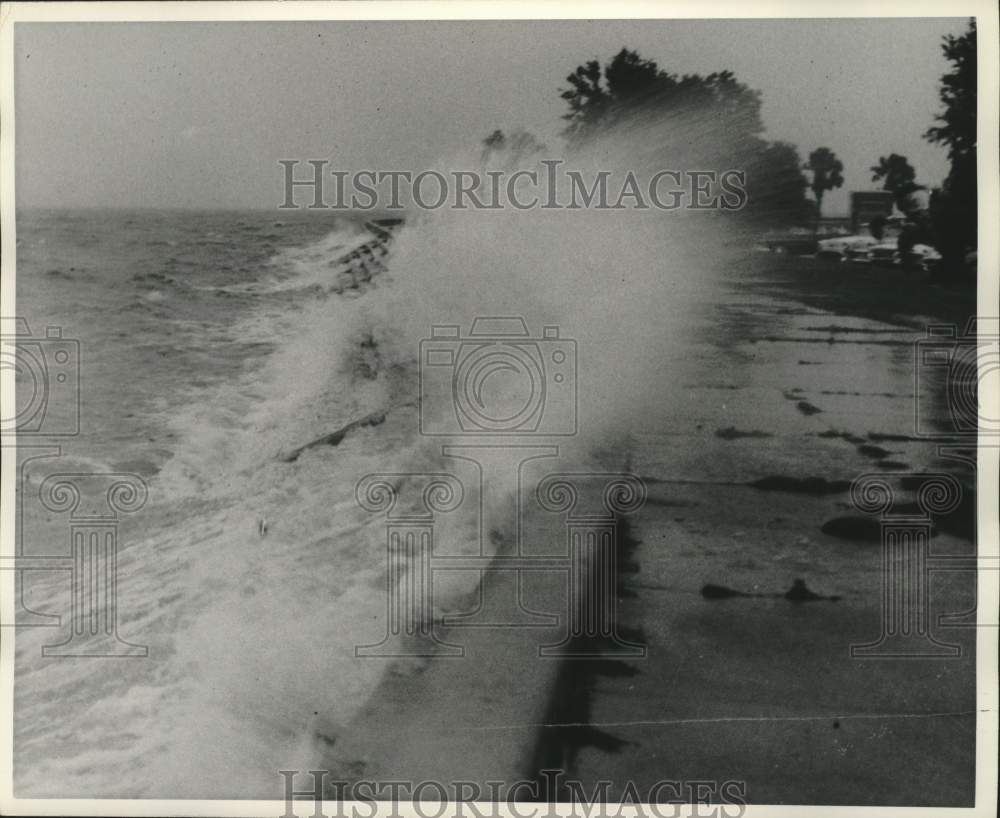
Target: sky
column 198, row 114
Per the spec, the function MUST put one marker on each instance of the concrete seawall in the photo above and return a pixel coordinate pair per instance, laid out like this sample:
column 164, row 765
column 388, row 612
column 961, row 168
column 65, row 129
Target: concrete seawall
column 472, row 718
column 502, row 712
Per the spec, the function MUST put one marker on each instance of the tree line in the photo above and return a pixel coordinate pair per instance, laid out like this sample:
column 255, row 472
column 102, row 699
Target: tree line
column 629, row 89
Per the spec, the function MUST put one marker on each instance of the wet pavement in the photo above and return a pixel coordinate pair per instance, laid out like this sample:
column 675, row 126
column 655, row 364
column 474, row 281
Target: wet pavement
column 748, row 462
column 749, row 490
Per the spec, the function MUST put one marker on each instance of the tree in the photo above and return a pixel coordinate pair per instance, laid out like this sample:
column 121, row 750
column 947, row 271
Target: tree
column 958, row 95
column 953, row 208
column 587, row 99
column 495, row 141
column 714, row 119
column 777, row 185
column 630, row 86
column 877, row 226
column 897, row 176
column 519, row 145
column 827, row 172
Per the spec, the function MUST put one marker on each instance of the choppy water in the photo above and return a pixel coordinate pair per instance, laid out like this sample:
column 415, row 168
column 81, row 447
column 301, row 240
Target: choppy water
column 213, row 344
column 209, row 343
column 166, row 306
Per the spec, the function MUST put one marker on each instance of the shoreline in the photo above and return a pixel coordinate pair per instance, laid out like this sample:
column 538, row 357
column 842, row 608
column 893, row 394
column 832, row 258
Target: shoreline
column 507, row 716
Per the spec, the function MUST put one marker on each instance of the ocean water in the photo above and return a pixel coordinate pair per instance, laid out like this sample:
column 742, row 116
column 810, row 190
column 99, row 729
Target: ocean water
column 211, row 347
column 209, row 343
column 165, row 306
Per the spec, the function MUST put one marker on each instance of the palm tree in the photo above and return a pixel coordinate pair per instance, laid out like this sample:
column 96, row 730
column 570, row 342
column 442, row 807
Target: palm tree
column 826, row 171
column 898, row 177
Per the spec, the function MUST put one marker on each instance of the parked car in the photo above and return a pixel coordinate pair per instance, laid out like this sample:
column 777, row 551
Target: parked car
column 921, row 256
column 885, row 254
column 794, row 242
column 844, row 248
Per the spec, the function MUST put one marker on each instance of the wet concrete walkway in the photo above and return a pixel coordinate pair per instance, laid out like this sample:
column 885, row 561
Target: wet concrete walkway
column 749, row 490
column 748, row 468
